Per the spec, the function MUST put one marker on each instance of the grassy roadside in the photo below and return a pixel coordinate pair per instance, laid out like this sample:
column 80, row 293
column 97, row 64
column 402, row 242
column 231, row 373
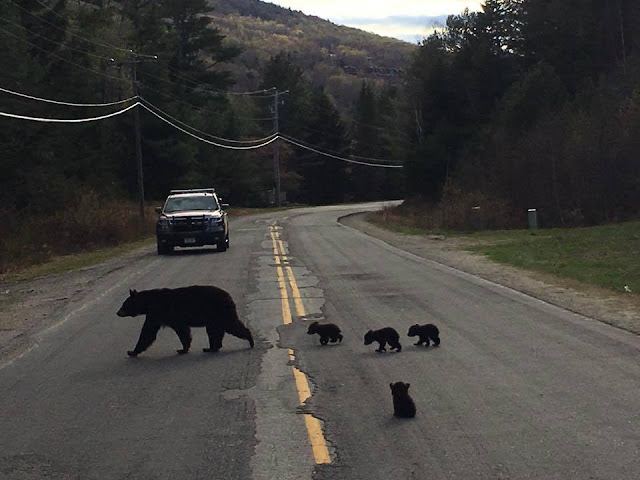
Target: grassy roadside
column 606, row 256
column 56, row 264
column 63, row 263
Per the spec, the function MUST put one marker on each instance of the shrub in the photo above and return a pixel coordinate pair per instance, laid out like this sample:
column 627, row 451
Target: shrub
column 457, row 210
column 85, row 223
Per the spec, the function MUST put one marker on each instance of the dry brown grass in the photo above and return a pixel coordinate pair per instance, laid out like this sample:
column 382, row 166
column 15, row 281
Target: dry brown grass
column 86, row 224
column 458, row 210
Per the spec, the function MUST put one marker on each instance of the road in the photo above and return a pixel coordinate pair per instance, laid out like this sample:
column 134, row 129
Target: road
column 518, row 389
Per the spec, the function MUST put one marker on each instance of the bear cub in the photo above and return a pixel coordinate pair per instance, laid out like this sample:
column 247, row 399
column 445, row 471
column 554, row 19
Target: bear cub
column 383, row 336
column 403, row 404
column 327, row 331
column 182, row 308
column 426, row 332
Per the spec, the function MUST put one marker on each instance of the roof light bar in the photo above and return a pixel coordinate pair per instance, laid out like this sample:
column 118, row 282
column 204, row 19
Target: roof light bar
column 193, row 190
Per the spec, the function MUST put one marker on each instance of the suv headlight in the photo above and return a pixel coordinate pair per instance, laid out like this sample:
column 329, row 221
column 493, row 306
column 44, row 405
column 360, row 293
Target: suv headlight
column 163, row 225
column 214, row 223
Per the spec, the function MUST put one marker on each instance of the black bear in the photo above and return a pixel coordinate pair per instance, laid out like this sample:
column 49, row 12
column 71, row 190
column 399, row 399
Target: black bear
column 326, row 331
column 425, row 332
column 182, row 308
column 383, row 336
column 403, row 404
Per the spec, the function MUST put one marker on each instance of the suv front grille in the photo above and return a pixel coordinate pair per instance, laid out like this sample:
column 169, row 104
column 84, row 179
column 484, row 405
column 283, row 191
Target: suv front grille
column 188, row 224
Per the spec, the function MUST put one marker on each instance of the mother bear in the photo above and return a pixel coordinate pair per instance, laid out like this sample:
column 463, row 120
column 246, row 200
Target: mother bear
column 181, row 308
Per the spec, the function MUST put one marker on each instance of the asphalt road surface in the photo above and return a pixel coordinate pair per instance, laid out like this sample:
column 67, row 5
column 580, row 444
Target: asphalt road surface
column 518, row 389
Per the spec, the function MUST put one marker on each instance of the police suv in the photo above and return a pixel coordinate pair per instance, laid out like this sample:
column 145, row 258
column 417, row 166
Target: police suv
column 192, row 218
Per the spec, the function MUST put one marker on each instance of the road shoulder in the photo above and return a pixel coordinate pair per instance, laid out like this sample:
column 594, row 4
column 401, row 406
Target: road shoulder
column 617, row 309
column 28, row 307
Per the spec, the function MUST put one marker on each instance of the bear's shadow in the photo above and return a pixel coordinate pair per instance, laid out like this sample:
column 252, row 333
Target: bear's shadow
column 318, row 345
column 149, row 365
column 388, row 353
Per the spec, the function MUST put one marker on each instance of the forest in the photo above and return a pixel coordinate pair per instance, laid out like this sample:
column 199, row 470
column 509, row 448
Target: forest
column 530, row 104
column 524, row 104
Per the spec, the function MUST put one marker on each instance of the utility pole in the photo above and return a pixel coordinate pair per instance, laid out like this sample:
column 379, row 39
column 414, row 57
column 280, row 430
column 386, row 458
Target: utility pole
column 136, row 122
column 276, row 150
column 134, row 61
column 276, row 146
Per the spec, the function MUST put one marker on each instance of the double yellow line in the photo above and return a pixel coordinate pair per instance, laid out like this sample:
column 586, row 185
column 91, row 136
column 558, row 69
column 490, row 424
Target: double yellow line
column 314, row 428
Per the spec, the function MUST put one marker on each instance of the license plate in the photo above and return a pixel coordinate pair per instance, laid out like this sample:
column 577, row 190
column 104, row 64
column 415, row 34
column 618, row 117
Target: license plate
column 189, row 240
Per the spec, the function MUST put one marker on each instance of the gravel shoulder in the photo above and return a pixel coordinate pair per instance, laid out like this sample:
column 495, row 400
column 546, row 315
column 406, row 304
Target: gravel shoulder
column 31, row 306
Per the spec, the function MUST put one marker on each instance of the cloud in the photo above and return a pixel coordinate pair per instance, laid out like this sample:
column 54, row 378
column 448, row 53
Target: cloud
column 340, row 9
column 409, row 29
column 397, row 20
column 409, row 20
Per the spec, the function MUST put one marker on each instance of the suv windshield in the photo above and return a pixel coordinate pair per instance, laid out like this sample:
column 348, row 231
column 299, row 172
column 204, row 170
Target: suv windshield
column 177, row 204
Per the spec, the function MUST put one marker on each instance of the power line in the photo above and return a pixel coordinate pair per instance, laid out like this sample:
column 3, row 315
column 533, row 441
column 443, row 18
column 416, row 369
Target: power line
column 128, row 100
column 312, row 149
column 267, row 141
column 326, row 150
column 252, row 94
column 67, row 103
column 69, row 120
column 125, row 80
column 105, row 45
column 173, row 97
column 62, row 58
column 212, row 90
column 88, row 40
column 55, row 42
column 205, row 133
column 128, row 51
column 230, row 147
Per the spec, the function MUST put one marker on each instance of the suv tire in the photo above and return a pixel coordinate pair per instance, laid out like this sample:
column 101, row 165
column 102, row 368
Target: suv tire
column 164, row 249
column 222, row 246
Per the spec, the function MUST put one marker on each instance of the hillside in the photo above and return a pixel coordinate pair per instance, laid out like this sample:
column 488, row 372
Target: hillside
column 335, row 57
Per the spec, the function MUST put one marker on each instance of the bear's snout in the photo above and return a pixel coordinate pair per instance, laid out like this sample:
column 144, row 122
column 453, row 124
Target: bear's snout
column 122, row 313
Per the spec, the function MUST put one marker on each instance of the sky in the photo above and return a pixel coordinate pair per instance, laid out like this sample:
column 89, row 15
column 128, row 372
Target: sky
column 409, row 20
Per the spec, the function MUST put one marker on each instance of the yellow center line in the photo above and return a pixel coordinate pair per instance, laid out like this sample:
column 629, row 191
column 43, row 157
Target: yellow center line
column 284, row 296
column 314, row 426
column 297, row 298
column 304, row 392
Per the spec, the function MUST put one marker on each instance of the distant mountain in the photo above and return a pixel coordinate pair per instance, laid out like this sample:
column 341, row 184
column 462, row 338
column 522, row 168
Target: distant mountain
column 335, row 57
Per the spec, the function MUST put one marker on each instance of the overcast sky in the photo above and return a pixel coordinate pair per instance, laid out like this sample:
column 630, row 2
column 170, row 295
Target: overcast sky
column 409, row 20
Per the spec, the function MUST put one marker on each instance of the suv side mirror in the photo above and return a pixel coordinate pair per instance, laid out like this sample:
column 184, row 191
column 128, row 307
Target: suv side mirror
column 225, row 206
column 158, row 210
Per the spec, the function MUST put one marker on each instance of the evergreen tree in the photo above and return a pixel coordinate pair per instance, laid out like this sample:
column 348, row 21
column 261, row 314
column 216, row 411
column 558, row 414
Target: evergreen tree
column 324, row 178
column 366, row 183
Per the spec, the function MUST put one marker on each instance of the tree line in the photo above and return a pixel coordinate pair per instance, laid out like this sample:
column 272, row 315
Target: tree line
column 531, row 104
column 526, row 103
column 85, row 52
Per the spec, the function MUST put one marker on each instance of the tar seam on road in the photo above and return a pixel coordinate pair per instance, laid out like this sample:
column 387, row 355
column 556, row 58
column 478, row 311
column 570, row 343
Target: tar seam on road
column 314, row 427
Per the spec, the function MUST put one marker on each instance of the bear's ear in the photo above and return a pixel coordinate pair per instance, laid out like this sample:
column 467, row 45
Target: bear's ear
column 132, row 293
column 407, row 385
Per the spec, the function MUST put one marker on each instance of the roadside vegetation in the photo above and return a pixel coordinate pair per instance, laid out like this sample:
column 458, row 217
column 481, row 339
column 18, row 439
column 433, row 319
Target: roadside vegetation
column 495, row 113
column 91, row 225
column 75, row 238
column 606, row 256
